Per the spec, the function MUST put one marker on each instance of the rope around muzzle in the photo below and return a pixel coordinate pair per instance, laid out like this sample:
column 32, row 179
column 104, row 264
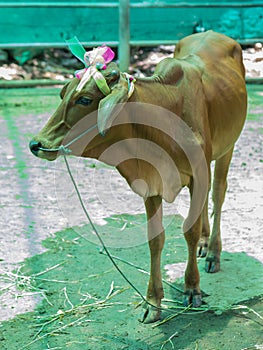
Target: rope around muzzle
column 64, row 149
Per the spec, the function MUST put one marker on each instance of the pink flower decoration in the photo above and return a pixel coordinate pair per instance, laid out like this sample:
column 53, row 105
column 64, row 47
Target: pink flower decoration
column 108, row 54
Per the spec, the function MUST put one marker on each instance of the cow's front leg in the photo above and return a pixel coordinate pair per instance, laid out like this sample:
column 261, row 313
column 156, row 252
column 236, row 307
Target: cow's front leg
column 192, row 292
column 192, row 232
column 153, row 207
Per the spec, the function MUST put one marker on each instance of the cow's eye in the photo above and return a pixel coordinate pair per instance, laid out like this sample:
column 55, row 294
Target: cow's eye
column 83, row 101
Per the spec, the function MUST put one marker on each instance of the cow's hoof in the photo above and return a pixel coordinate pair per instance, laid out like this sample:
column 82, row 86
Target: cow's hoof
column 192, row 297
column 150, row 314
column 212, row 264
column 202, row 249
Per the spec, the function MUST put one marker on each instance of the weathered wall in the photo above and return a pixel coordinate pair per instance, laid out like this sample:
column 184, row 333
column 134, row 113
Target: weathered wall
column 53, row 25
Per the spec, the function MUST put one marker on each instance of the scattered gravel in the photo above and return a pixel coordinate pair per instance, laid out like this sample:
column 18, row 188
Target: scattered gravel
column 58, row 64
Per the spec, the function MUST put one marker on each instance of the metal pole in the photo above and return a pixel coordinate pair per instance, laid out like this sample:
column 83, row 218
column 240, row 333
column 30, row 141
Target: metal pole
column 124, row 35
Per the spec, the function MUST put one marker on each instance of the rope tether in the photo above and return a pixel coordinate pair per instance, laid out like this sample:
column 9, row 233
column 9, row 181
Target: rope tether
column 65, row 152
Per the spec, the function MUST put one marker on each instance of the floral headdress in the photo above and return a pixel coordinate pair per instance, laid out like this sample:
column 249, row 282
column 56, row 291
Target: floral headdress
column 94, row 61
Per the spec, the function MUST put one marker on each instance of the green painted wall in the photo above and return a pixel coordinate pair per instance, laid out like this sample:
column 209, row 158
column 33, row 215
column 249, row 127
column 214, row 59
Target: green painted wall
column 53, row 25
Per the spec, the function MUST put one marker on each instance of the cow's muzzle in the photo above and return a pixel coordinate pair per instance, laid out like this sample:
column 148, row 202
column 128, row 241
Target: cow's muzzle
column 35, row 147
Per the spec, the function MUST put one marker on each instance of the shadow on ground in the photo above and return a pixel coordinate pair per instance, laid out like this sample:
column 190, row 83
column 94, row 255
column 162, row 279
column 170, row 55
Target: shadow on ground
column 83, row 302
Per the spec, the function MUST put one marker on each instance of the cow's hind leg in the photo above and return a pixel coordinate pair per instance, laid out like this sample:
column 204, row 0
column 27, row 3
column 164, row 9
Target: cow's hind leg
column 204, row 240
column 219, row 190
column 205, row 230
column 153, row 207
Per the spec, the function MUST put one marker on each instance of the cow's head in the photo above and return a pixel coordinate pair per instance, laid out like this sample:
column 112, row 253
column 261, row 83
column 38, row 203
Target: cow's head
column 97, row 96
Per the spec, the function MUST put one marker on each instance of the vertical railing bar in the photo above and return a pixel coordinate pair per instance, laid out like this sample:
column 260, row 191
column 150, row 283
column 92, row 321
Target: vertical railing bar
column 124, row 35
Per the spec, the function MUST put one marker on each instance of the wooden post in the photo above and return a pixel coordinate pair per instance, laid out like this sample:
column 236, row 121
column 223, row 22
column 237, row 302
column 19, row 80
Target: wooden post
column 124, row 35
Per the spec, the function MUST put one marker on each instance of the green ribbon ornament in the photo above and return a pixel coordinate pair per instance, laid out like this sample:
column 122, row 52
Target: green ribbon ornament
column 94, row 62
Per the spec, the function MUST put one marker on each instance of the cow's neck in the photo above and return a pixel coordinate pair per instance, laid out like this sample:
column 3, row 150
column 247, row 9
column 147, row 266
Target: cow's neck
column 153, row 91
column 140, row 139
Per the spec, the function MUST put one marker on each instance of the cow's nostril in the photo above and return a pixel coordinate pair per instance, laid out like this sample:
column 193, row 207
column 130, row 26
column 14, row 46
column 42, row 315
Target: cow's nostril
column 34, row 147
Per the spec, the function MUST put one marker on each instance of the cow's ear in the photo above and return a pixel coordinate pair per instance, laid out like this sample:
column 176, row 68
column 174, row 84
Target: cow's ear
column 112, row 74
column 111, row 105
column 63, row 91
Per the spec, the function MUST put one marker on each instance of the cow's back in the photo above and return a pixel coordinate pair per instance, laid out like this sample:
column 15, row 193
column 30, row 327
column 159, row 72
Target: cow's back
column 218, row 59
column 211, row 47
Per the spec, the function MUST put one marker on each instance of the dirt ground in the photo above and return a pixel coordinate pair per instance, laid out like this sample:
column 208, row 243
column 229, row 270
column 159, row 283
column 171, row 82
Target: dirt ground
column 59, row 291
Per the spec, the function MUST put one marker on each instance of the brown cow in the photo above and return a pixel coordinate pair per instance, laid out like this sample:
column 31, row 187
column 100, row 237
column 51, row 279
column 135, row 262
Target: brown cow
column 162, row 137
